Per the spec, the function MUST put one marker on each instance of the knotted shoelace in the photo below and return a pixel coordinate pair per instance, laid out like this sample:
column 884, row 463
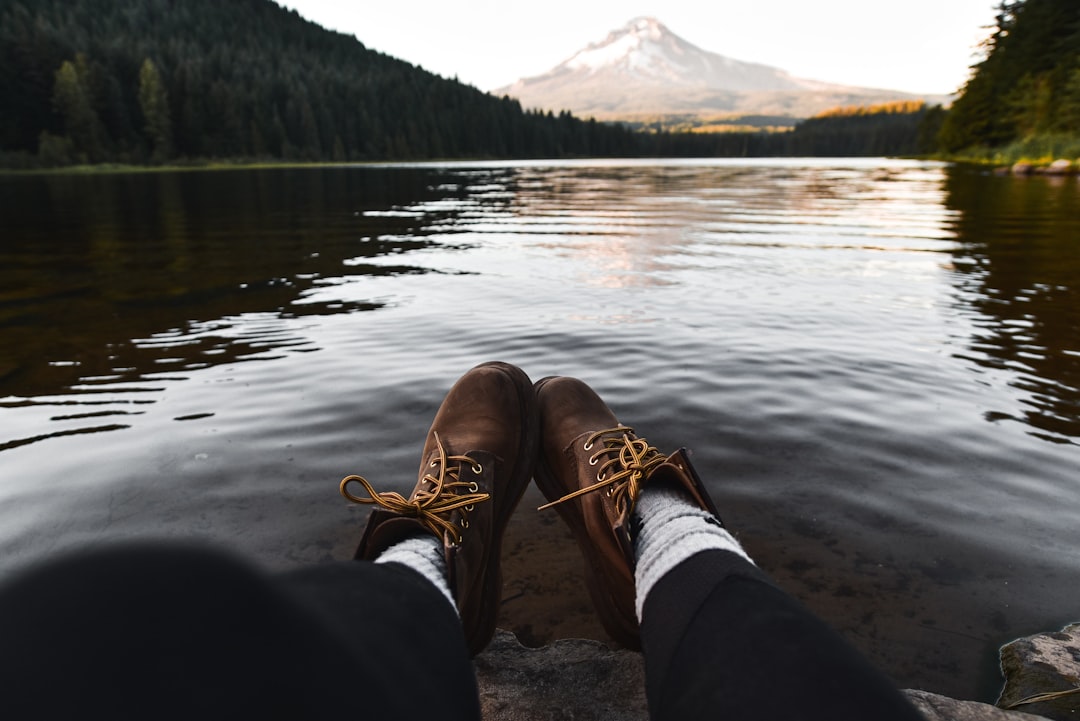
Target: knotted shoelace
column 435, row 498
column 627, row 462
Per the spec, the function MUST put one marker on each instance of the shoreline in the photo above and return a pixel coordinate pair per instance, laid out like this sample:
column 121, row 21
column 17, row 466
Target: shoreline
column 218, row 165
column 1060, row 167
column 549, row 636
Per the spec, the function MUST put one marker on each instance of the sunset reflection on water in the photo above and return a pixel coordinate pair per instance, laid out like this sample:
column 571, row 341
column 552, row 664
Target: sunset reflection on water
column 876, row 363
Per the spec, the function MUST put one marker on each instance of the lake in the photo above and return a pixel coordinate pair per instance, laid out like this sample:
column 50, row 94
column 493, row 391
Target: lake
column 876, row 364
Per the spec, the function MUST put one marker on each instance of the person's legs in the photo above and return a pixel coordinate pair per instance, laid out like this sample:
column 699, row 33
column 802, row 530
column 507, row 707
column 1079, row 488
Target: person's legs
column 720, row 640
column 168, row 631
column 165, row 631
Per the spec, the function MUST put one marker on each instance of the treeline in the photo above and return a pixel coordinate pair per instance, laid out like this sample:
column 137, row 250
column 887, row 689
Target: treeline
column 901, row 128
column 145, row 80
column 898, row 128
column 1027, row 86
column 153, row 81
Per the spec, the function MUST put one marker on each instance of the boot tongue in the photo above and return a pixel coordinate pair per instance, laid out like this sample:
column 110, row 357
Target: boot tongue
column 668, row 474
column 393, row 530
column 672, row 474
column 679, row 475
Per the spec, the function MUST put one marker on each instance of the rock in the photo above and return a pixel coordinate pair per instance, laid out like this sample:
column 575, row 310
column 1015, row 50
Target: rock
column 1023, row 168
column 589, row 681
column 1046, row 663
column 943, row 708
column 1059, row 167
column 567, row 679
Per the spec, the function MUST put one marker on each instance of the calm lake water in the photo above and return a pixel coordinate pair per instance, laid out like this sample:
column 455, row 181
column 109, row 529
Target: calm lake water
column 876, row 363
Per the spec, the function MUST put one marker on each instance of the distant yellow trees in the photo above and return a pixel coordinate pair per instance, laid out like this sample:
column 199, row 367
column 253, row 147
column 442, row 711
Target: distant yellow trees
column 896, row 107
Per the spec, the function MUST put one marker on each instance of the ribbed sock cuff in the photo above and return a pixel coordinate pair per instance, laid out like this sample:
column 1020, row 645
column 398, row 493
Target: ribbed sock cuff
column 423, row 554
column 670, row 529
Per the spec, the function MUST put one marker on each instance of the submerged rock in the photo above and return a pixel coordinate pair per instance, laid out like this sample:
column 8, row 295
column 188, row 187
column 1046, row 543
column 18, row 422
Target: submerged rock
column 1042, row 674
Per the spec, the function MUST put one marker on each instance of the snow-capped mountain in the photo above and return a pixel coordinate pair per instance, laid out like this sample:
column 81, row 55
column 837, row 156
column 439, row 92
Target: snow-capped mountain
column 645, row 68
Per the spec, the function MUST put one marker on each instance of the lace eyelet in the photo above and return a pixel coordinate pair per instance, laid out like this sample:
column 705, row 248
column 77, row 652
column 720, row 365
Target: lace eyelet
column 587, row 446
column 470, row 508
column 611, row 491
column 593, row 461
column 433, row 464
column 600, row 477
column 464, row 523
column 477, row 469
column 473, row 488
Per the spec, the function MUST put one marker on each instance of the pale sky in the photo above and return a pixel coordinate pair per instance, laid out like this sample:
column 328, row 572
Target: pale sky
column 919, row 46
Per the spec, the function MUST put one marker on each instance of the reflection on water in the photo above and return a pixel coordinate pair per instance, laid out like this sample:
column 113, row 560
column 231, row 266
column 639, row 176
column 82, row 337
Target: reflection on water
column 98, row 273
column 1020, row 272
column 875, row 362
column 108, row 285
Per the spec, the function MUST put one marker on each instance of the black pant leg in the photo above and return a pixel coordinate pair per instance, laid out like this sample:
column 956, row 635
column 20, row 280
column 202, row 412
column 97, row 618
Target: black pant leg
column 401, row 626
column 168, row 632
column 722, row 642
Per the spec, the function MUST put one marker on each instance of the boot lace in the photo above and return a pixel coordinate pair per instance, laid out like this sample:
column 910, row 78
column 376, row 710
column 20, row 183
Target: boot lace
column 624, row 464
column 436, row 497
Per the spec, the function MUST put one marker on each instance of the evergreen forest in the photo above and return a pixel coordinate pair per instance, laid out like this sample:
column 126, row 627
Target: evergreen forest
column 1025, row 93
column 155, row 80
column 164, row 81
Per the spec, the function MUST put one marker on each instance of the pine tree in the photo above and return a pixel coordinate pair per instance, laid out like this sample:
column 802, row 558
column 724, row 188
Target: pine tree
column 72, row 100
column 154, row 103
column 1069, row 110
column 1023, row 86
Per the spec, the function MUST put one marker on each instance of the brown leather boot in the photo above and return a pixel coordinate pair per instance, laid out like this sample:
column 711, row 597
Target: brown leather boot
column 476, row 464
column 592, row 470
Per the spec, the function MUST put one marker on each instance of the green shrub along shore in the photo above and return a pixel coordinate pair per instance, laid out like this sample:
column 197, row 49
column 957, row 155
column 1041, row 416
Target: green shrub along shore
column 1039, row 151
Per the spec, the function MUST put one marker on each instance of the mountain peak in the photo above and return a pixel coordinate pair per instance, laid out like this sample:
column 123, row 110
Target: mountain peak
column 644, row 46
column 645, row 25
column 643, row 67
column 645, row 52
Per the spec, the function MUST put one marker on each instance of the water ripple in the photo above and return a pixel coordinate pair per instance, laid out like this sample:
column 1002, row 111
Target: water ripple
column 875, row 362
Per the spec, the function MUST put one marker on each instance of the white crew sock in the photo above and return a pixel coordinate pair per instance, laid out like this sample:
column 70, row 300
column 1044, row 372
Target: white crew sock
column 423, row 554
column 671, row 529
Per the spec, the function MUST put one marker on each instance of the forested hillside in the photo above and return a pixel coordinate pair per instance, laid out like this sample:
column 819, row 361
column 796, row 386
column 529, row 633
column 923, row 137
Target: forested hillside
column 873, row 130
column 155, row 81
column 1028, row 85
column 900, row 128
column 135, row 80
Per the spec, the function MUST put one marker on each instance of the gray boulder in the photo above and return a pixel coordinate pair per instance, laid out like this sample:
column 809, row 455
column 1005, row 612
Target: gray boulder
column 1059, row 167
column 589, row 681
column 568, row 679
column 1042, row 674
column 943, row 708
